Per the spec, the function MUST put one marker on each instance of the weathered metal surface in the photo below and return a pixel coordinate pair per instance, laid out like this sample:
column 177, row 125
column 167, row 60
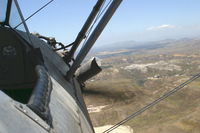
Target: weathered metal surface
column 12, row 120
column 66, row 112
column 49, row 54
column 67, row 106
column 29, row 113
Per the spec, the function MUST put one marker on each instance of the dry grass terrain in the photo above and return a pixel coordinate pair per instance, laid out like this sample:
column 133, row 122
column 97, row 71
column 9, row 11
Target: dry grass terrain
column 129, row 82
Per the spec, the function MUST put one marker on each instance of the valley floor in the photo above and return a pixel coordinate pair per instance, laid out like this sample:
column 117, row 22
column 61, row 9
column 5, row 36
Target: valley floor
column 129, row 82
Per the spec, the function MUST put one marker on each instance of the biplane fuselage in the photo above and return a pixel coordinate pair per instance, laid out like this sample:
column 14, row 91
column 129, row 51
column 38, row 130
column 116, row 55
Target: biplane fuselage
column 39, row 89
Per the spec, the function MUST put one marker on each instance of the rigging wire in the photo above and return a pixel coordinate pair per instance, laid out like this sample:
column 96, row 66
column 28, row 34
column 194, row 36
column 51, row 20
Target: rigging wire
column 34, row 13
column 102, row 10
column 166, row 95
column 63, row 48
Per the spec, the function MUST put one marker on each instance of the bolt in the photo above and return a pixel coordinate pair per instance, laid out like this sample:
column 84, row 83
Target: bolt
column 25, row 111
column 47, row 128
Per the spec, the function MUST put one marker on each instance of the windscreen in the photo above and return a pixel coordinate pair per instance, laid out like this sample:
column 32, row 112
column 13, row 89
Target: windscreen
column 11, row 16
column 3, row 4
column 16, row 21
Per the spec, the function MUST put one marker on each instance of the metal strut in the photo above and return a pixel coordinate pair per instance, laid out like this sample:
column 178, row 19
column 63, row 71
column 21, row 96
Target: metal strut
column 84, row 29
column 93, row 37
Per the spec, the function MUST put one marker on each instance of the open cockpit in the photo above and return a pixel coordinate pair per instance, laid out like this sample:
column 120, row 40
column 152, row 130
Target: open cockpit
column 17, row 70
column 17, row 76
column 23, row 76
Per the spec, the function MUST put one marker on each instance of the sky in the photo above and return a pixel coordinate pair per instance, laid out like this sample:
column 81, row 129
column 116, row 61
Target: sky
column 137, row 20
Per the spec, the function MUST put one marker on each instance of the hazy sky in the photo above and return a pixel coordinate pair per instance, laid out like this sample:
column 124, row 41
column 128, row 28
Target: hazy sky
column 139, row 20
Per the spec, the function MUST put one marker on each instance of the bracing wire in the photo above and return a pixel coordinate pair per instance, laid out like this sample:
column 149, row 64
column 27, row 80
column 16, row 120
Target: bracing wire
column 166, row 95
column 101, row 12
column 34, row 13
column 69, row 45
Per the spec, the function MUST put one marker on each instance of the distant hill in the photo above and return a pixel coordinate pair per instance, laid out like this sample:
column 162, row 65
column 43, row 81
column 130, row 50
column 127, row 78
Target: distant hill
column 132, row 47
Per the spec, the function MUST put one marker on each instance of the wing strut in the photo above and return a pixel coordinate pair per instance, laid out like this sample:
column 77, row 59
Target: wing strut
column 84, row 29
column 93, row 37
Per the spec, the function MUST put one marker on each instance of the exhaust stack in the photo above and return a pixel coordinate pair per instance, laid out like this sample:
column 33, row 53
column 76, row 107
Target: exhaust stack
column 88, row 70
